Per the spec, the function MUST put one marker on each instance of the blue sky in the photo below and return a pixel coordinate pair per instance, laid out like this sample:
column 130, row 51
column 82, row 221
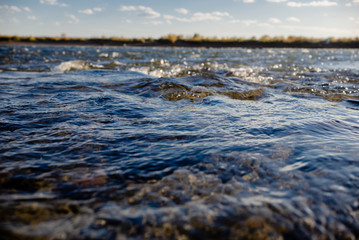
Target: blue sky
column 156, row 18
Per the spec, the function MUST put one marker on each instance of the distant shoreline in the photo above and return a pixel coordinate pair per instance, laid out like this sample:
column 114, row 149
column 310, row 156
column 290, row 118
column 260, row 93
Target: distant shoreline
column 190, row 43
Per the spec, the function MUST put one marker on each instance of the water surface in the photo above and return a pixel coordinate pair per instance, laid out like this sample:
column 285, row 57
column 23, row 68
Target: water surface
column 162, row 143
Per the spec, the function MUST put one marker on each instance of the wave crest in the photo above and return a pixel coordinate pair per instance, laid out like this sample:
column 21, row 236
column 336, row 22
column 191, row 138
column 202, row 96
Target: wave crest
column 74, row 65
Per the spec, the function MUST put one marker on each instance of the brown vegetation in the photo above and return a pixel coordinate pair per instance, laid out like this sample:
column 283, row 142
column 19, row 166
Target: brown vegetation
column 192, row 41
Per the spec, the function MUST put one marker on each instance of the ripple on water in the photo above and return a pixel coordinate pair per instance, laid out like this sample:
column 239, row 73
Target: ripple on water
column 107, row 143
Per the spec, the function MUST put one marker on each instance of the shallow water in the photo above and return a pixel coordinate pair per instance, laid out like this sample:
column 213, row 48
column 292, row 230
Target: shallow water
column 157, row 143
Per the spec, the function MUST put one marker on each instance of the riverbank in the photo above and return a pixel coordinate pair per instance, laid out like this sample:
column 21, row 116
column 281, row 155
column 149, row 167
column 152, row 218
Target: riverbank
column 193, row 42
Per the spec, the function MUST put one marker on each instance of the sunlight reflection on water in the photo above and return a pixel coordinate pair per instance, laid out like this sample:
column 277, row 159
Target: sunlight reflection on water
column 106, row 143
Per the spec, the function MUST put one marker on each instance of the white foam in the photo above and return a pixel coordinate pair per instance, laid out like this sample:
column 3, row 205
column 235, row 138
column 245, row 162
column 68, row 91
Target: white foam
column 74, row 65
column 293, row 166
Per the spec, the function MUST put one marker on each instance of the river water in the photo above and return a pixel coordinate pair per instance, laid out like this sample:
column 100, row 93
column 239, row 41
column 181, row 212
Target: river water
column 177, row 143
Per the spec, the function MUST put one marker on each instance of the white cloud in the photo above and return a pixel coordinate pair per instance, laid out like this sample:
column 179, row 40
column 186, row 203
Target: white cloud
column 27, row 9
column 128, row 8
column 293, row 19
column 10, row 8
column 32, row 17
column 168, row 19
column 15, row 8
column 50, row 2
column 323, row 3
column 249, row 22
column 276, row 1
column 356, row 1
column 148, row 12
column 142, row 11
column 215, row 16
column 274, row 20
column 221, row 14
column 182, row 11
column 90, row 11
column 53, row 2
column 73, row 18
column 195, row 17
column 86, row 11
column 198, row 17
